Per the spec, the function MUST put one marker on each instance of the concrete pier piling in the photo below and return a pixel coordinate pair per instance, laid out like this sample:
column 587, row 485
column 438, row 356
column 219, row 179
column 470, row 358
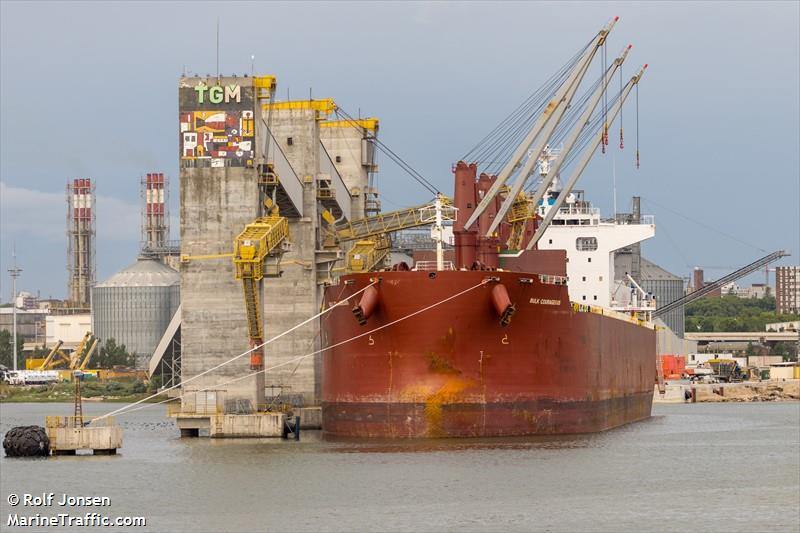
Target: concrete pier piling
column 69, row 434
column 227, row 426
column 208, row 414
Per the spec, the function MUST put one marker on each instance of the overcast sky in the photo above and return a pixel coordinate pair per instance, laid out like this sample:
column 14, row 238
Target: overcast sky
column 90, row 90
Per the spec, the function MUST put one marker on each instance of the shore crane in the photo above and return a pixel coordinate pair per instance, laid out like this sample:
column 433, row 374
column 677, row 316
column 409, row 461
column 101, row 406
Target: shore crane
column 257, row 253
column 50, row 361
column 79, row 358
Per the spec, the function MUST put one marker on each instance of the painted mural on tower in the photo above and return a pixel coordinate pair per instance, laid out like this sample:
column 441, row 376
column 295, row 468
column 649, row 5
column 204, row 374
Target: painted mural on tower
column 217, row 127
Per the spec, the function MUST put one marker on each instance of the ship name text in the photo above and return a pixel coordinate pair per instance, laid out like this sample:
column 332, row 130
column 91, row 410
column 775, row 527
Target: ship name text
column 545, row 301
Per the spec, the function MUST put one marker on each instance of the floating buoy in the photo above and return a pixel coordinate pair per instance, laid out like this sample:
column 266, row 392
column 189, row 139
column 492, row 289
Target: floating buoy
column 27, row 441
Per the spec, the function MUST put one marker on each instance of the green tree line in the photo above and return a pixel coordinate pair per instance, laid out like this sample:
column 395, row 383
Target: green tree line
column 731, row 313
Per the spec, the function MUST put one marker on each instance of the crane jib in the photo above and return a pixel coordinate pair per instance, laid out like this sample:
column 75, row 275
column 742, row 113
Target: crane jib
column 522, row 149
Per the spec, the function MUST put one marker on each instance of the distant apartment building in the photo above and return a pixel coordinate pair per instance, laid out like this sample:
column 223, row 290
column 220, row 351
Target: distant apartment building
column 787, row 289
column 756, row 290
column 26, row 300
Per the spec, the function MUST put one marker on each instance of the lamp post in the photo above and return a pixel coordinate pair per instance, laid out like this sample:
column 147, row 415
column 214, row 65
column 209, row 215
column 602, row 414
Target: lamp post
column 14, row 271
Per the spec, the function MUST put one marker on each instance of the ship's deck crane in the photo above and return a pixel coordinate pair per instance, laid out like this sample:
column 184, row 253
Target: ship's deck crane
column 523, row 210
column 538, row 137
column 371, row 233
column 588, row 152
column 519, row 208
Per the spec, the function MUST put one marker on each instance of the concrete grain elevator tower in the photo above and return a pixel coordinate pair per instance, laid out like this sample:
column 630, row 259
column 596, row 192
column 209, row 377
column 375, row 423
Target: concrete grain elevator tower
column 240, row 149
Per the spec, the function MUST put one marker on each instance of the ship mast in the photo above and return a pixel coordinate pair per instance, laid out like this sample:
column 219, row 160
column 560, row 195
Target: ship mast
column 437, row 233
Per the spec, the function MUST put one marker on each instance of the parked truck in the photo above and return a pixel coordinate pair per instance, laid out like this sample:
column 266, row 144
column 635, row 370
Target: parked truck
column 31, row 377
column 726, row 370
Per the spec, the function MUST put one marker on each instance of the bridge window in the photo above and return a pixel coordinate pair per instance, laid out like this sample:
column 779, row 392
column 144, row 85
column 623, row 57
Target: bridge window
column 586, row 244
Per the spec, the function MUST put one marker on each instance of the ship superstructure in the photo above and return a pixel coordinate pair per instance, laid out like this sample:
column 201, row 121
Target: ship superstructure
column 590, row 242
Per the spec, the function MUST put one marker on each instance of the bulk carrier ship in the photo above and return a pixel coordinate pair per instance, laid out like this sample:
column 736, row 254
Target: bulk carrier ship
column 518, row 334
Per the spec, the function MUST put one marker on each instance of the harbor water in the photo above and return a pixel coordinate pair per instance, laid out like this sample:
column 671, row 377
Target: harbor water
column 691, row 467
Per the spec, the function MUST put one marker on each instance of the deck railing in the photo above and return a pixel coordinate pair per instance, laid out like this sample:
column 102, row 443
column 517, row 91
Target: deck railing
column 431, row 265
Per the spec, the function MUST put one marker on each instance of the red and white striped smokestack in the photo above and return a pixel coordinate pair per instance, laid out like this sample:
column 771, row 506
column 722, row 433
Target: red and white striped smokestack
column 155, row 212
column 81, row 245
column 154, row 194
column 82, row 199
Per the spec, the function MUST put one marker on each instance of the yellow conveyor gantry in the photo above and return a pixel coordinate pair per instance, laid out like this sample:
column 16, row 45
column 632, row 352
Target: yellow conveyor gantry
column 256, row 254
column 369, row 254
column 522, row 211
column 372, row 233
column 368, row 227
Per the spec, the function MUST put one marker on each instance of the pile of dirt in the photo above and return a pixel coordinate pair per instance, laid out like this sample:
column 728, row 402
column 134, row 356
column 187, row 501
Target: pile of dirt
column 750, row 392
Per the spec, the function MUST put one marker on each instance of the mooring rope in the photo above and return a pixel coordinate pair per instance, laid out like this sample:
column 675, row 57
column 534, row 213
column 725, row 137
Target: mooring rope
column 268, row 341
column 301, row 357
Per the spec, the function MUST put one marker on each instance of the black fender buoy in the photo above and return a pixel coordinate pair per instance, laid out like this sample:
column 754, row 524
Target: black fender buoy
column 26, row 441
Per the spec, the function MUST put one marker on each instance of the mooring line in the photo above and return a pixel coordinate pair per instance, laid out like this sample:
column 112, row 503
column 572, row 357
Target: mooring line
column 301, row 357
column 276, row 337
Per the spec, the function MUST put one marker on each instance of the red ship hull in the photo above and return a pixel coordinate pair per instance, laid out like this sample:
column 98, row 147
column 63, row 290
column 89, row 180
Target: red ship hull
column 455, row 371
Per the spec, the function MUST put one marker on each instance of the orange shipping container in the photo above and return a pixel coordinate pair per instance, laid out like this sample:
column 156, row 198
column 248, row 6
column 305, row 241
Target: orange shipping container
column 673, row 366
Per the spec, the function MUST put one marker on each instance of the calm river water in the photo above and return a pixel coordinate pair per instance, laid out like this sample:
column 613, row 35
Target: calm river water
column 691, row 467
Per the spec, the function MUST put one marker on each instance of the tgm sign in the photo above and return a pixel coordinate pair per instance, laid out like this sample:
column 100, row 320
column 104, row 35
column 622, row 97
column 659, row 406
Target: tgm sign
column 218, row 94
